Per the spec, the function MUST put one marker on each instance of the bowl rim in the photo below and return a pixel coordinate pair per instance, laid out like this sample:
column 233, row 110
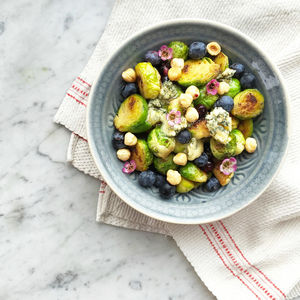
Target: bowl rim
column 92, row 146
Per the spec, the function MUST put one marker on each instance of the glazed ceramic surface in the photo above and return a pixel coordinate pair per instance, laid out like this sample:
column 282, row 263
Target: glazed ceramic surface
column 255, row 171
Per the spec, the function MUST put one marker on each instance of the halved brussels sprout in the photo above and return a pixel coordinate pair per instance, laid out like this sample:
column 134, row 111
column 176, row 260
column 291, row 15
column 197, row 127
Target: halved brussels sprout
column 132, row 115
column 240, row 141
column 142, row 155
column 234, row 87
column 148, row 80
column 205, row 99
column 193, row 173
column 199, row 129
column 221, row 151
column 246, row 127
column 234, row 122
column 180, row 147
column 185, row 186
column 160, row 144
column 248, row 104
column 223, row 179
column 180, row 49
column 222, row 60
column 163, row 165
column 198, row 72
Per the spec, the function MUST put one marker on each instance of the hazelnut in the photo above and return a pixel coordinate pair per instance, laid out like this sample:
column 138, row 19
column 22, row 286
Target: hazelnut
column 180, row 159
column 129, row 75
column 250, row 145
column 193, row 91
column 192, row 115
column 213, row 48
column 185, row 100
column 223, row 88
column 174, row 74
column 173, row 177
column 177, row 63
column 130, row 139
column 123, row 154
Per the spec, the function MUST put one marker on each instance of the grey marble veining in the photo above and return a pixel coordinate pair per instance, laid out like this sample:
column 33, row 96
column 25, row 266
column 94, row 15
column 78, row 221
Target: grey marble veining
column 50, row 245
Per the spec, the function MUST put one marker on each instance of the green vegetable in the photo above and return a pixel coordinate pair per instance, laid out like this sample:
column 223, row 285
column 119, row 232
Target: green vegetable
column 192, row 172
column 160, row 144
column 223, row 179
column 142, row 155
column 246, row 127
column 235, row 122
column 132, row 115
column 240, row 141
column 234, row 87
column 175, row 104
column 148, row 80
column 180, row 49
column 222, row 60
column 163, row 165
column 185, row 186
column 198, row 72
column 205, row 99
column 180, row 147
column 199, row 129
column 248, row 104
column 221, row 151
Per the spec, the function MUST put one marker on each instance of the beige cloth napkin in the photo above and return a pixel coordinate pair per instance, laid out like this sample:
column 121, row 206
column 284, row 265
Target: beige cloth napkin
column 256, row 252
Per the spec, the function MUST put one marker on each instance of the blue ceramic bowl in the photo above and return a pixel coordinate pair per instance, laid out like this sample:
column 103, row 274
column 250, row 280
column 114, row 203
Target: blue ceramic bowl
column 255, row 171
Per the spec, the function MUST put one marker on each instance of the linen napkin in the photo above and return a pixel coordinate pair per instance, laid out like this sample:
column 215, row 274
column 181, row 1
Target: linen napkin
column 256, row 252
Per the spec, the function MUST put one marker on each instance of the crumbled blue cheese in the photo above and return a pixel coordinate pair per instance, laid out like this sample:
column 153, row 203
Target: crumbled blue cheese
column 168, row 91
column 194, row 149
column 219, row 124
column 226, row 75
column 155, row 115
column 173, row 130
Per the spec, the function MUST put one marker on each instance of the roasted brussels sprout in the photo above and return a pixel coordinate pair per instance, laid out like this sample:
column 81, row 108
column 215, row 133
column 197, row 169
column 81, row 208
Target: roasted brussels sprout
column 246, row 127
column 132, row 115
column 248, row 104
column 222, row 178
column 163, row 165
column 148, row 80
column 234, row 122
column 205, row 99
column 193, row 173
column 180, row 147
column 221, row 151
column 240, row 141
column 185, row 186
column 199, row 129
column 180, row 49
column 160, row 144
column 222, row 60
column 234, row 87
column 142, row 155
column 198, row 72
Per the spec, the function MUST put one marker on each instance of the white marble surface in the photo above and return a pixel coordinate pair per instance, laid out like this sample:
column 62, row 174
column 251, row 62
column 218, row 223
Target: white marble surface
column 50, row 245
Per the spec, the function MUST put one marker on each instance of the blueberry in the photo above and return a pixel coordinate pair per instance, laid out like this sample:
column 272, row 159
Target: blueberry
column 184, row 136
column 212, row 184
column 147, row 178
column 129, row 89
column 118, row 140
column 197, row 50
column 164, row 78
column 167, row 191
column 247, row 81
column 208, row 167
column 207, row 150
column 159, row 180
column 201, row 111
column 239, row 69
column 201, row 161
column 226, row 102
column 153, row 58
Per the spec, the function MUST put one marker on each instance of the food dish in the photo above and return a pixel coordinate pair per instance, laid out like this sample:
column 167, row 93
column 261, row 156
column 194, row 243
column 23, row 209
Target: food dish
column 270, row 128
column 186, row 114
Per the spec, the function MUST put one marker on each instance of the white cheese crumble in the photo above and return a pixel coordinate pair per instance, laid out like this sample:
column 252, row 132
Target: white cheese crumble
column 172, row 130
column 227, row 74
column 219, row 124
